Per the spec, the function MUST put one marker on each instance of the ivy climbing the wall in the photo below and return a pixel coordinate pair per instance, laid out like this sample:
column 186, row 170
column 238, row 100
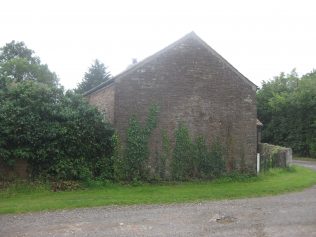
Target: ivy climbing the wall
column 194, row 159
column 180, row 157
column 137, row 150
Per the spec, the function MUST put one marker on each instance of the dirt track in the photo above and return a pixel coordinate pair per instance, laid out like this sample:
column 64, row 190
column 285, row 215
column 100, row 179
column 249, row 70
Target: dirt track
column 284, row 215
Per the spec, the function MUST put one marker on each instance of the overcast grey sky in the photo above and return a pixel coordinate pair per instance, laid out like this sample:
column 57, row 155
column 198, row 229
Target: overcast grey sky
column 259, row 38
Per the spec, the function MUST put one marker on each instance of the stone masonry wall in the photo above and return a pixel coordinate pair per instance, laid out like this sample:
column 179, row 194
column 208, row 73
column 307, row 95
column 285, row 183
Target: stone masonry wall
column 191, row 85
column 274, row 156
column 103, row 99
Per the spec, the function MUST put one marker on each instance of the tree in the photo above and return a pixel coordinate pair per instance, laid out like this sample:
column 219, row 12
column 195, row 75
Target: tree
column 17, row 50
column 18, row 63
column 96, row 75
column 287, row 108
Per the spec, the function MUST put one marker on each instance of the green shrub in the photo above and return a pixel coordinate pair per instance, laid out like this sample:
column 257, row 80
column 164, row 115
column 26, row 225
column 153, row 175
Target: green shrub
column 118, row 158
column 104, row 168
column 186, row 160
column 65, row 185
column 202, row 161
column 312, row 147
column 137, row 151
column 166, row 155
column 183, row 153
column 217, row 167
column 209, row 161
column 193, row 160
column 60, row 135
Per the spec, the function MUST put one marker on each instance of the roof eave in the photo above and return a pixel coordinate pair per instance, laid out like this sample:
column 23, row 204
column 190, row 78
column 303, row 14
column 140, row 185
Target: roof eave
column 103, row 84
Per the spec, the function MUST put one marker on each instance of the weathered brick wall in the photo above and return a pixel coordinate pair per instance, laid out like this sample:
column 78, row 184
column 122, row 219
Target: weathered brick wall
column 195, row 87
column 103, row 99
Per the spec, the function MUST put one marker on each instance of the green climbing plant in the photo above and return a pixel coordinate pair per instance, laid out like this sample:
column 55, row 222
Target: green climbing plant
column 182, row 154
column 137, row 151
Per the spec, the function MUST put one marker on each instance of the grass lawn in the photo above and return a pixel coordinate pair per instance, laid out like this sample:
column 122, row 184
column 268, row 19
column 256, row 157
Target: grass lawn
column 276, row 181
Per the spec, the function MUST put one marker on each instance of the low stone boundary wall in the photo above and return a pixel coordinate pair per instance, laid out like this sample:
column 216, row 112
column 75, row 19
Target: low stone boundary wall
column 274, row 156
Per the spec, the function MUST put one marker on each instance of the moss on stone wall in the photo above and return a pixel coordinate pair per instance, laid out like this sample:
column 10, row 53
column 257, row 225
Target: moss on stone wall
column 274, row 156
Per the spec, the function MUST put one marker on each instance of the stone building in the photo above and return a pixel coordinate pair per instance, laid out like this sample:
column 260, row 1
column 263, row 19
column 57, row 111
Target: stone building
column 191, row 83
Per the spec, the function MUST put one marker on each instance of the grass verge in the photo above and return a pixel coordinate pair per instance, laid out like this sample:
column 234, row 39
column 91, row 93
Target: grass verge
column 304, row 158
column 276, row 181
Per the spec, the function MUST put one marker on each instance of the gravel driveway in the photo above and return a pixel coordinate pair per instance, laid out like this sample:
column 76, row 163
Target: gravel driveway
column 284, row 215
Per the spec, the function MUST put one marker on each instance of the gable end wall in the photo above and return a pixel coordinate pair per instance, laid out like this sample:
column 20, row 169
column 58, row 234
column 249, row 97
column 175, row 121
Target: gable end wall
column 193, row 86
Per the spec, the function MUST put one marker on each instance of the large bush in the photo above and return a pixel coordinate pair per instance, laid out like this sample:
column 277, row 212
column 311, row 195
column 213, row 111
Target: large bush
column 60, row 135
